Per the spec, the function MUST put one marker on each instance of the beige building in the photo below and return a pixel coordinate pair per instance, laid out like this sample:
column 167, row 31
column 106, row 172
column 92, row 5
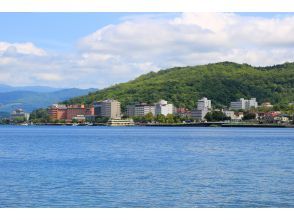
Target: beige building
column 267, row 105
column 108, row 108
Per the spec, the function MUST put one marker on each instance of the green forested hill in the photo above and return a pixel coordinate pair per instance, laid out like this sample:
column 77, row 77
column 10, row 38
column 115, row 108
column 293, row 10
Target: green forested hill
column 220, row 82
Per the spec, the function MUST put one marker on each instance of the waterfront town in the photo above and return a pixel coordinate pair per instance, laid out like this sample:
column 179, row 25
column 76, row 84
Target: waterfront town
column 109, row 112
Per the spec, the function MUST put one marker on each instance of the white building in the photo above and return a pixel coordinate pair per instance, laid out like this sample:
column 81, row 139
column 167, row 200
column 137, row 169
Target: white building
column 79, row 118
column 244, row 104
column 230, row 114
column 203, row 107
column 162, row 107
column 235, row 116
column 203, row 104
column 19, row 113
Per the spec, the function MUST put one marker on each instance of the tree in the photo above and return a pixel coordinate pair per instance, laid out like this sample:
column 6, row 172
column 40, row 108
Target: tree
column 149, row 117
column 5, row 121
column 74, row 120
column 216, row 116
column 221, row 82
column 160, row 118
column 40, row 116
column 249, row 116
column 169, row 119
column 19, row 119
column 139, row 119
column 101, row 119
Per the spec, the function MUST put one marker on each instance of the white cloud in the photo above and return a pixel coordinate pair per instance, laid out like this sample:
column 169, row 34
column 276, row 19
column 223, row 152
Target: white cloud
column 136, row 45
column 20, row 48
column 162, row 40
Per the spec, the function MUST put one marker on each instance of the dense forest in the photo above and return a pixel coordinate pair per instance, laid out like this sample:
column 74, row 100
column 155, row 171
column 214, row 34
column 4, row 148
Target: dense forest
column 221, row 82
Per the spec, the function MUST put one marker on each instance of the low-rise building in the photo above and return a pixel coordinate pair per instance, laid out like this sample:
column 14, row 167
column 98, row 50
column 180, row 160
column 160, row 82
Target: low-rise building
column 235, row 116
column 183, row 112
column 18, row 114
column 163, row 108
column 266, row 105
column 199, row 115
column 230, row 114
column 79, row 118
column 238, row 116
column 268, row 117
column 282, row 118
column 120, row 122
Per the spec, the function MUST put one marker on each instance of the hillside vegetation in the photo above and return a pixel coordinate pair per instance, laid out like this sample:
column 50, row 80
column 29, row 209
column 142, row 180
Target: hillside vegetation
column 221, row 82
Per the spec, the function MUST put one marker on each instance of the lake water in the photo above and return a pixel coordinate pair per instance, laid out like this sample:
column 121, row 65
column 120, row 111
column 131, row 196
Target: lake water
column 146, row 167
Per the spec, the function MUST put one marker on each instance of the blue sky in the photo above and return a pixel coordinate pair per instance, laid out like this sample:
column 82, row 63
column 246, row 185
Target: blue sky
column 60, row 31
column 101, row 49
column 57, row 31
column 52, row 30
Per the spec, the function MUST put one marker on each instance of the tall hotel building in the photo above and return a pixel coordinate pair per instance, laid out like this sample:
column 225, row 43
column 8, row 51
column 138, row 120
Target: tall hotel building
column 140, row 109
column 203, row 107
column 57, row 112
column 244, row 104
column 74, row 110
column 107, row 108
column 63, row 112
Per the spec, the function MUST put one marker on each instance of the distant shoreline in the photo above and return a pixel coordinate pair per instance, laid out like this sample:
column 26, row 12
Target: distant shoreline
column 205, row 124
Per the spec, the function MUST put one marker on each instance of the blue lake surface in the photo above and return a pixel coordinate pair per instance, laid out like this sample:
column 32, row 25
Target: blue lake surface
column 146, row 167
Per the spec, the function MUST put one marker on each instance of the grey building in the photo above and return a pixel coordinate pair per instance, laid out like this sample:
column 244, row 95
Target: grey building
column 108, row 108
column 130, row 110
column 203, row 107
column 244, row 104
column 141, row 109
column 199, row 115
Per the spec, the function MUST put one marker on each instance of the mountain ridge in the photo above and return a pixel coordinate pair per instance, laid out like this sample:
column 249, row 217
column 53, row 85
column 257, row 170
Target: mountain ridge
column 221, row 82
column 30, row 100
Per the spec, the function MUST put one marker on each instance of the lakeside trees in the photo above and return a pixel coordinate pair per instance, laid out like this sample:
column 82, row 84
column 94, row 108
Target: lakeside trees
column 40, row 116
column 249, row 116
column 162, row 119
column 216, row 116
